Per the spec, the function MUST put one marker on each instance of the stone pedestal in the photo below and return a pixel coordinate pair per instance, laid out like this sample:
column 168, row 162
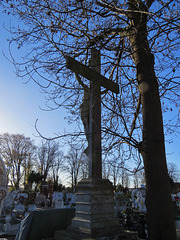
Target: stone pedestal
column 95, row 216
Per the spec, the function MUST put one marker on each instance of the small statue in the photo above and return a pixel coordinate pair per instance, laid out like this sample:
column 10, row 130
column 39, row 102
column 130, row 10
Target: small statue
column 85, row 110
column 138, row 201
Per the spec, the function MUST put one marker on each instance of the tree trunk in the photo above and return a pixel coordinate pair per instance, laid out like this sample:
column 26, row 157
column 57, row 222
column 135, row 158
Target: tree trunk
column 160, row 217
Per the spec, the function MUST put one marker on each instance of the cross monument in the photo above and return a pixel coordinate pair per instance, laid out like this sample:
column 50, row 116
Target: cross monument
column 96, row 81
column 95, row 213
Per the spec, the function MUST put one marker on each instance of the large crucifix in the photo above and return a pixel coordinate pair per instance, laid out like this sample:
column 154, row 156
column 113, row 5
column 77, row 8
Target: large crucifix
column 95, row 215
column 94, row 128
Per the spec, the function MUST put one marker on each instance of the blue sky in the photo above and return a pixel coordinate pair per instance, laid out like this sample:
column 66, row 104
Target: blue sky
column 20, row 103
column 20, row 106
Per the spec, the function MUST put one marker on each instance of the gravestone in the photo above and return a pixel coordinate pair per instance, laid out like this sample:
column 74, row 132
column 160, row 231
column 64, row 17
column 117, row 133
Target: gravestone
column 95, row 212
column 3, row 184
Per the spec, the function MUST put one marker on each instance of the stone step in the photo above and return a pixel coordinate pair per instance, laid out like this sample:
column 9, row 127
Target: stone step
column 125, row 235
column 47, row 238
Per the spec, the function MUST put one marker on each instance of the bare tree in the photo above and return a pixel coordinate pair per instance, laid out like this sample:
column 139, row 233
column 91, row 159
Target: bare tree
column 120, row 174
column 139, row 178
column 138, row 42
column 84, row 170
column 120, row 171
column 126, row 180
column 125, row 177
column 48, row 154
column 106, row 170
column 18, row 153
column 58, row 166
column 115, row 171
column 173, row 172
column 73, row 162
column 136, row 180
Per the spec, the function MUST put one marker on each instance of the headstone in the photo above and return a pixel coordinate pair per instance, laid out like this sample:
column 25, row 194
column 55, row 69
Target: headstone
column 8, row 201
column 57, row 199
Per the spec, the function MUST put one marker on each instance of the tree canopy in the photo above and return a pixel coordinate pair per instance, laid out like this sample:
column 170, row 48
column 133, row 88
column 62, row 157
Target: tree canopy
column 18, row 153
column 47, row 31
column 50, row 30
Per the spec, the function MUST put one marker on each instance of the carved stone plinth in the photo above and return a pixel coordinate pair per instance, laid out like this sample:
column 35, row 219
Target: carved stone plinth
column 95, row 217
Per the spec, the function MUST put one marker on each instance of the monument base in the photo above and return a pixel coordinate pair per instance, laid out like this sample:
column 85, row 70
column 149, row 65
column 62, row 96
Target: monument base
column 95, row 214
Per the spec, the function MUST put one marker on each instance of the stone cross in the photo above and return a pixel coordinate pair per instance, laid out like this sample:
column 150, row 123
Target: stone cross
column 96, row 81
